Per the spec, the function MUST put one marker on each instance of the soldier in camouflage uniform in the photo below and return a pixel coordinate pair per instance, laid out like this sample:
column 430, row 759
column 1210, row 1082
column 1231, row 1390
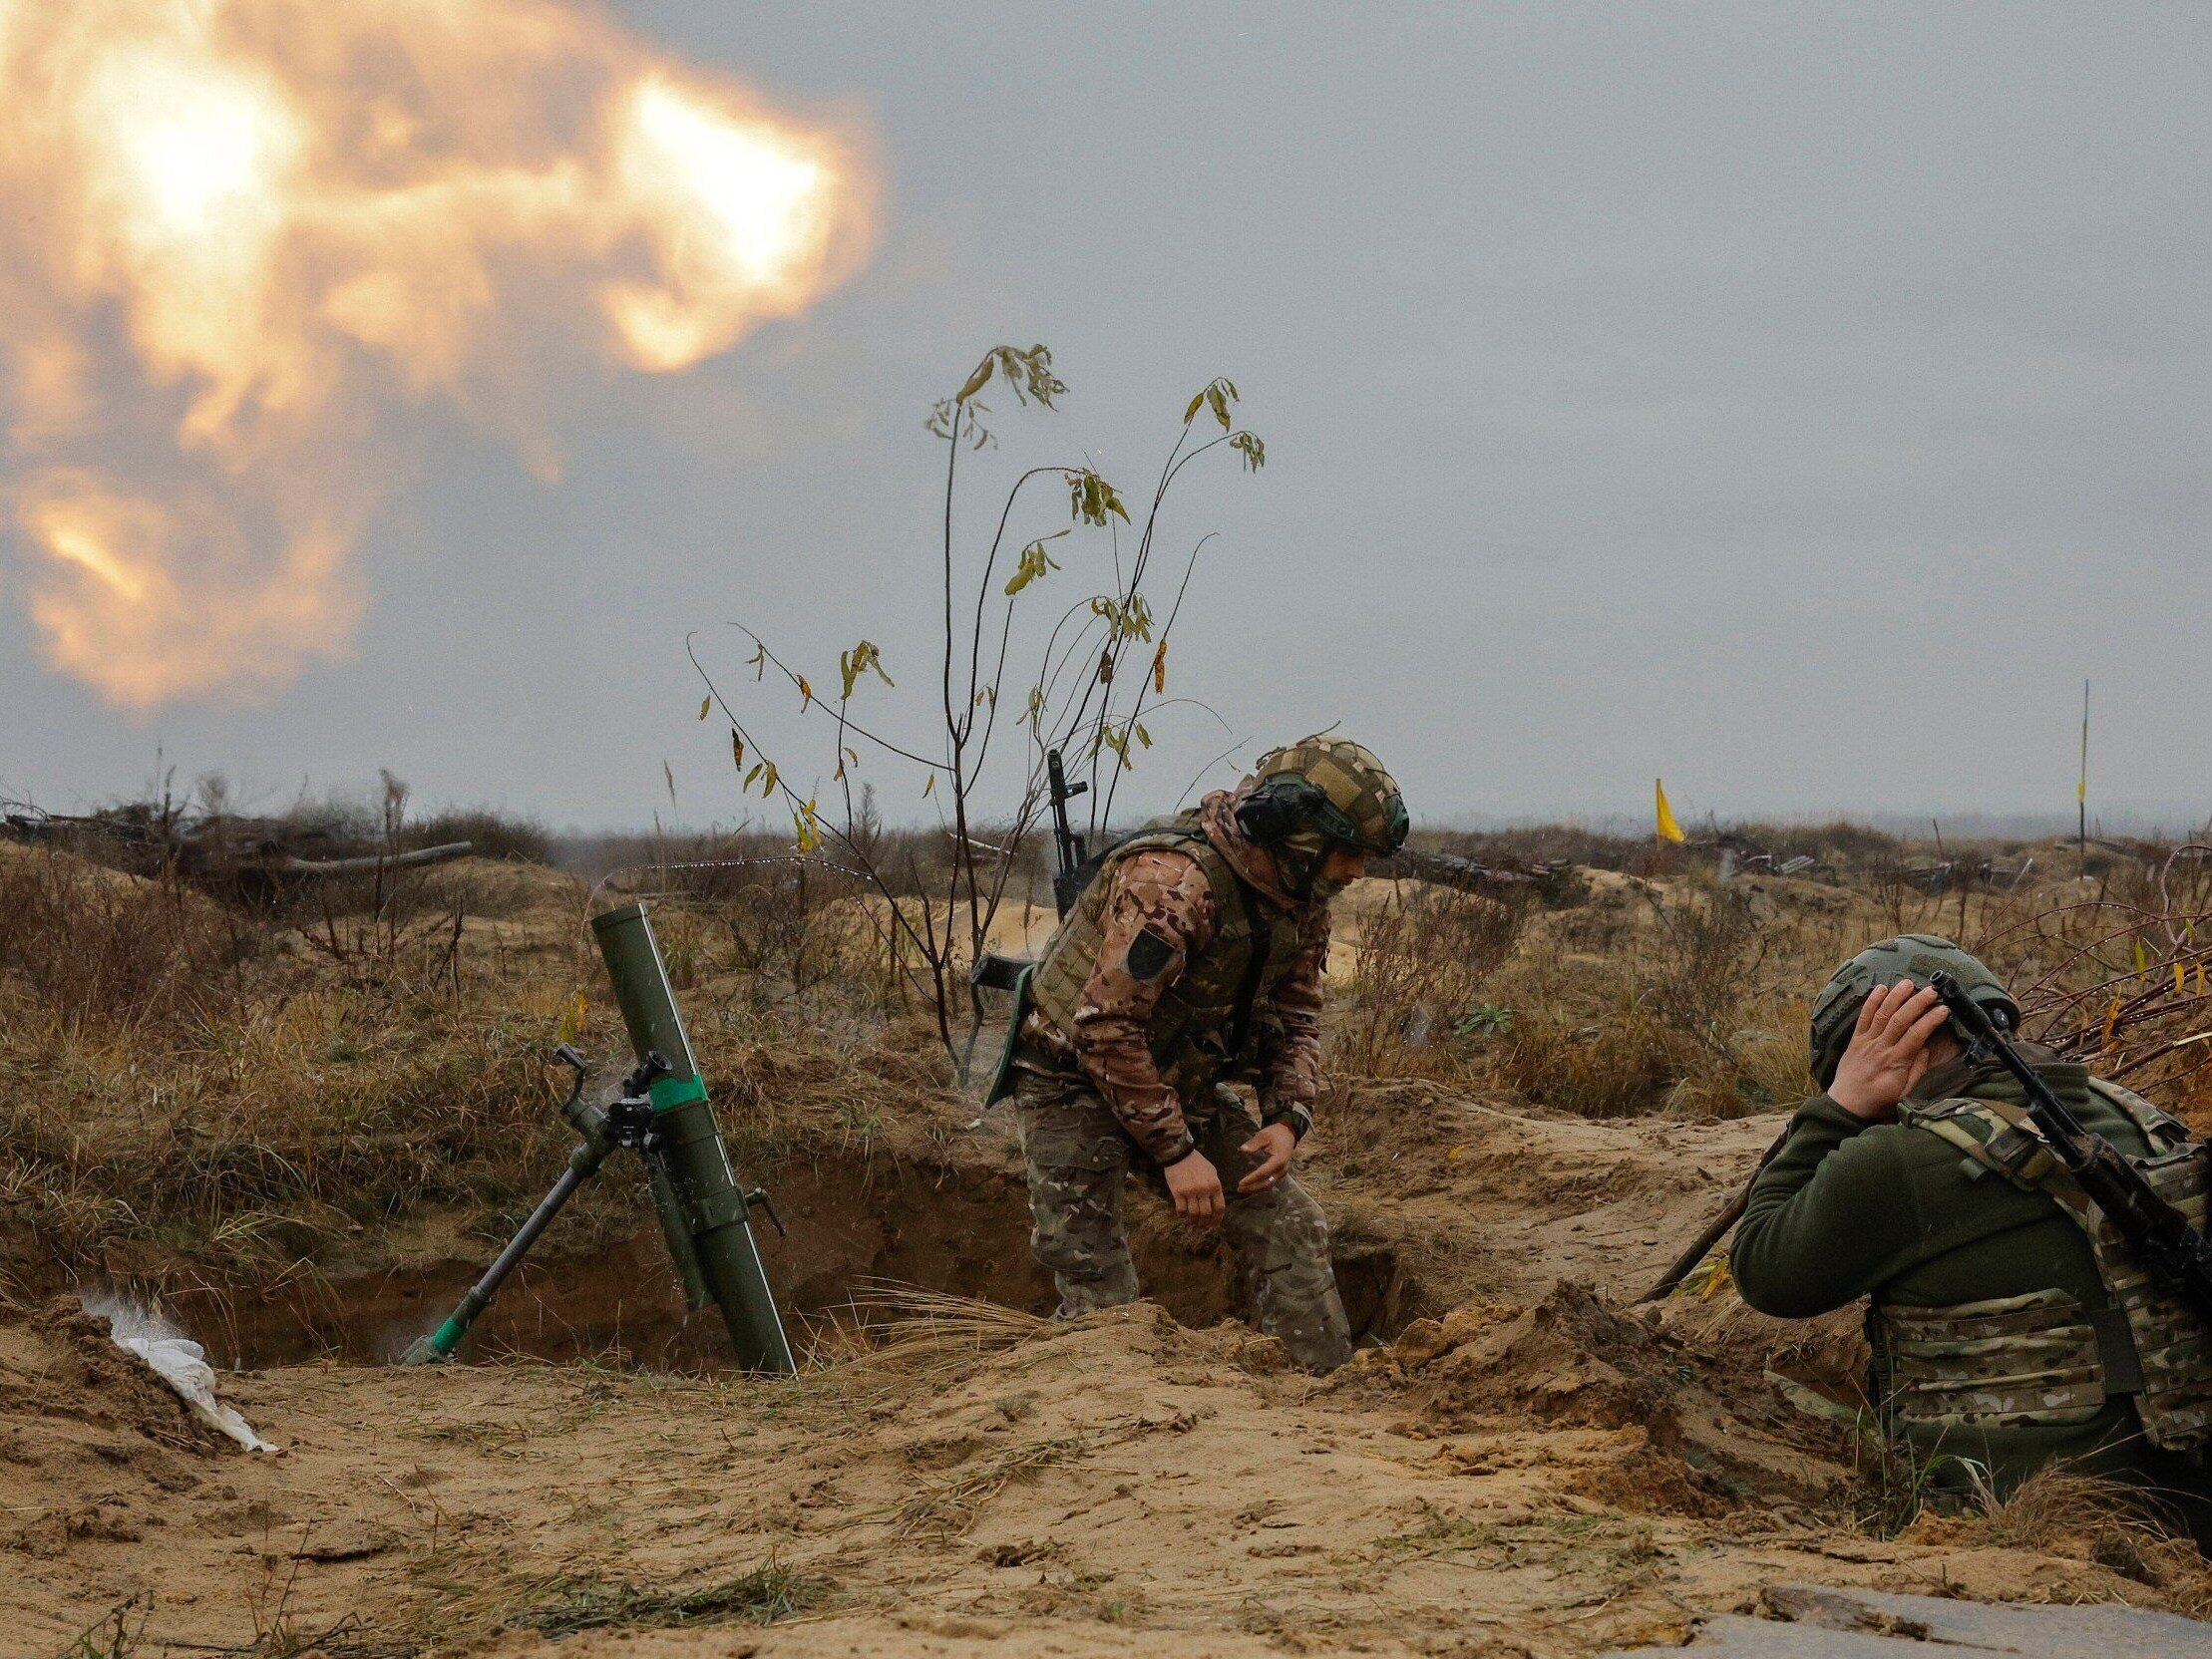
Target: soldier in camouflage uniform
column 1193, row 962
column 2010, row 1325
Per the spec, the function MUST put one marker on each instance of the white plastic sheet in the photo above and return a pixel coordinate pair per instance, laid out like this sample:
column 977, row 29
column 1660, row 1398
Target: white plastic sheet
column 182, row 1363
column 179, row 1362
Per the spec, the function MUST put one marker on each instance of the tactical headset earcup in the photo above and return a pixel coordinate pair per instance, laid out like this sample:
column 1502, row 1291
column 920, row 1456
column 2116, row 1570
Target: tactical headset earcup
column 1279, row 808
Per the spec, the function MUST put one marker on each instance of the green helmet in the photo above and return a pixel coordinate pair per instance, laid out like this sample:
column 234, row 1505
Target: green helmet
column 1325, row 786
column 1913, row 956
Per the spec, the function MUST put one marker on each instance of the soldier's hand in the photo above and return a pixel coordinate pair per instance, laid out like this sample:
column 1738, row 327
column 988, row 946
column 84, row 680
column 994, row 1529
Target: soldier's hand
column 1889, row 1050
column 1197, row 1188
column 1281, row 1145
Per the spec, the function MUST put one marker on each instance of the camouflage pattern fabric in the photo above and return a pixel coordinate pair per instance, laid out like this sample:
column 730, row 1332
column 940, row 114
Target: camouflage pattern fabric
column 1363, row 805
column 2173, row 1346
column 1137, row 990
column 2010, row 1362
column 1968, row 1366
column 1077, row 1160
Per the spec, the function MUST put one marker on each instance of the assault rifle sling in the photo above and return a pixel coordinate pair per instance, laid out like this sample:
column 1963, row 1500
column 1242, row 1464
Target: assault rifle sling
column 2172, row 1252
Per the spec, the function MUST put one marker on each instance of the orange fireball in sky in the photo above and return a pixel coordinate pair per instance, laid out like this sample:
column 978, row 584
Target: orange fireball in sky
column 240, row 232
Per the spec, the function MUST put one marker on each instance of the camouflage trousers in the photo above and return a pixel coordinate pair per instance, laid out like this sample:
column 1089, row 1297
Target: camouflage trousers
column 1078, row 1157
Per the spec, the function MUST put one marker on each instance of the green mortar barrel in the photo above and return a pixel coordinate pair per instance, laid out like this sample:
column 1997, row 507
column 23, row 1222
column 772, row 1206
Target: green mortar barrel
column 691, row 1164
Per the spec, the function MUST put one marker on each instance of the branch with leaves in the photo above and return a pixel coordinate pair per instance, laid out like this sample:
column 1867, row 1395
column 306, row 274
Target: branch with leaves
column 1101, row 661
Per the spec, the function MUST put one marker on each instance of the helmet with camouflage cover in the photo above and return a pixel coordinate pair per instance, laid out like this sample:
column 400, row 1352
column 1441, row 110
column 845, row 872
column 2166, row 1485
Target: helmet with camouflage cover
column 1911, row 956
column 1327, row 787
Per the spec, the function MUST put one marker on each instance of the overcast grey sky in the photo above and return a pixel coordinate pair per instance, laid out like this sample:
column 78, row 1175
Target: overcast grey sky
column 1796, row 401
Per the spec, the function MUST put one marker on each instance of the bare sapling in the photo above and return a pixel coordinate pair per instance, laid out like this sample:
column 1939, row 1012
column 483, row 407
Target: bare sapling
column 972, row 750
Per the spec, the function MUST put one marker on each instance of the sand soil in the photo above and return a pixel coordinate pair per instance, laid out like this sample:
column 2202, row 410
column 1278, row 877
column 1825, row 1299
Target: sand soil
column 1526, row 1466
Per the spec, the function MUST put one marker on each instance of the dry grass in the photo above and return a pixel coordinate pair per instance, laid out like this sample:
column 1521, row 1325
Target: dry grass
column 198, row 1082
column 945, row 1508
column 1423, row 957
column 932, row 1337
column 2060, row 1509
column 2065, row 1510
column 97, row 949
column 1678, row 998
column 564, row 1606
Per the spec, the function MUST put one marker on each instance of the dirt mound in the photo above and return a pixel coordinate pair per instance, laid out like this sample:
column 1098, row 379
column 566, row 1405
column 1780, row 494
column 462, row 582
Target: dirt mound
column 94, row 1448
column 1568, row 1360
column 1482, row 1204
column 1670, row 1436
column 61, row 1364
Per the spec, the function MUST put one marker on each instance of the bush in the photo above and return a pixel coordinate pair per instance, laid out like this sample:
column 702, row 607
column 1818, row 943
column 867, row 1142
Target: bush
column 1423, row 955
column 494, row 835
column 104, row 949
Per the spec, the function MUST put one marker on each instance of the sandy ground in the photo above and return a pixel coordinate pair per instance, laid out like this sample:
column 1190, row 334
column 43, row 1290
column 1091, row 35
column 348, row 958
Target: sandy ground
column 1122, row 1483
column 1540, row 1471
column 1526, row 1465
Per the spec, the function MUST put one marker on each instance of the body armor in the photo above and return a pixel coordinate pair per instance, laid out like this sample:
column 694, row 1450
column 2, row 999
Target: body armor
column 1214, row 1023
column 2044, row 1360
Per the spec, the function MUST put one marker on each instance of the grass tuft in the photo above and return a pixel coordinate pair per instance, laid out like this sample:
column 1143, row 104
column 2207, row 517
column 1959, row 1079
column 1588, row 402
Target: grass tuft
column 770, row 1592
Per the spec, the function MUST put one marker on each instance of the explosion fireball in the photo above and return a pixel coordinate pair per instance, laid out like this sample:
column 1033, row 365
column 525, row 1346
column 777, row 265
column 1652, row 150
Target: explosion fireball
column 244, row 232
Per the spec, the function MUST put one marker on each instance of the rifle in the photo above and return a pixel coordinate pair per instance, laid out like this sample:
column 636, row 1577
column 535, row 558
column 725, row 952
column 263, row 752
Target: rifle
column 1072, row 869
column 1716, row 1230
column 1070, row 876
column 2175, row 1254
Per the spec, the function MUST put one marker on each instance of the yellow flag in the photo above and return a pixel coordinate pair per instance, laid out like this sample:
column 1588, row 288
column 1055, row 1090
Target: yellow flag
column 1668, row 830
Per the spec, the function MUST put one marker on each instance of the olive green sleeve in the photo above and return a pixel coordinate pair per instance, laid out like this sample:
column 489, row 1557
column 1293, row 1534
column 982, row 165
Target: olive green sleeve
column 1822, row 1224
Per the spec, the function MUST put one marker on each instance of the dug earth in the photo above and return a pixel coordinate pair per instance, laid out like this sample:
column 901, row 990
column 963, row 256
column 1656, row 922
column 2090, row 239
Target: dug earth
column 1534, row 1470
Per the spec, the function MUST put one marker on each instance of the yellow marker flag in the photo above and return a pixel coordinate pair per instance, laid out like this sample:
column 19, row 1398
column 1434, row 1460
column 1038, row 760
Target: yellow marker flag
column 1668, row 830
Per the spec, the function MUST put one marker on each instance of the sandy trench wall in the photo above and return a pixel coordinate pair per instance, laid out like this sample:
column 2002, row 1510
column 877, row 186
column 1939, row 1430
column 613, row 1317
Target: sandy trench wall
column 862, row 1222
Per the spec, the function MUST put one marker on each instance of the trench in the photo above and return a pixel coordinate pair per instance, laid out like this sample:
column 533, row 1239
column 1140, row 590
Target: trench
column 856, row 1224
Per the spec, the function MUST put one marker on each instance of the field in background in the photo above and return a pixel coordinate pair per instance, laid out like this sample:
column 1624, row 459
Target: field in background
column 197, row 1077
column 299, row 1120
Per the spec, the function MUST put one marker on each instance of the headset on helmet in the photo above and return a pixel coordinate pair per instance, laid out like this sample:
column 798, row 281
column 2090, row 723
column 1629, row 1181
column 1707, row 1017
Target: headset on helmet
column 1329, row 786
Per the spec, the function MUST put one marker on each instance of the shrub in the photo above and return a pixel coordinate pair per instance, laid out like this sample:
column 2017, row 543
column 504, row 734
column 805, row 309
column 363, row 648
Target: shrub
column 1423, row 955
column 104, row 949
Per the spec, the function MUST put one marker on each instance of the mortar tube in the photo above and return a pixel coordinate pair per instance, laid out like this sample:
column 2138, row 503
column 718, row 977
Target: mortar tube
column 584, row 1164
column 689, row 1149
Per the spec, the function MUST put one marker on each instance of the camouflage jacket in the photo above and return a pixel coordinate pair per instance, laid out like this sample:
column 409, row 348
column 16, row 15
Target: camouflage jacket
column 1164, row 892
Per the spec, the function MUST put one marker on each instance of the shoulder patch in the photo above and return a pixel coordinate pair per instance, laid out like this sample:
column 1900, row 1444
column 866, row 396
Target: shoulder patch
column 1149, row 953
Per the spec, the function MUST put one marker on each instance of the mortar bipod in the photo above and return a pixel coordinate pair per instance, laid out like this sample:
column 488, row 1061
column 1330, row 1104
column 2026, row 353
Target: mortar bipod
column 627, row 1121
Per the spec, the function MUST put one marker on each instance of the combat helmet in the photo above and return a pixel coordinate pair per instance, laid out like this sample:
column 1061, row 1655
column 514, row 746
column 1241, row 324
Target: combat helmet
column 1325, row 785
column 1911, row 956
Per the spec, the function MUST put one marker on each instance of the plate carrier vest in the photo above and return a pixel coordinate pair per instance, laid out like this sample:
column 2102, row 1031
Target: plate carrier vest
column 2042, row 1360
column 1216, row 1022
